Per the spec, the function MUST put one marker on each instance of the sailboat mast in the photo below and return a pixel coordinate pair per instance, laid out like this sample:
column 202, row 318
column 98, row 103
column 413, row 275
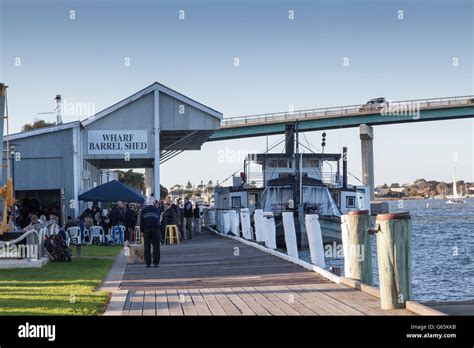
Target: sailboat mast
column 455, row 189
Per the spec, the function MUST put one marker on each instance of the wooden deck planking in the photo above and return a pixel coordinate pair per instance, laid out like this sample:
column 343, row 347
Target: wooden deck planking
column 174, row 303
column 161, row 303
column 149, row 304
column 254, row 305
column 205, row 276
column 211, row 301
column 136, row 304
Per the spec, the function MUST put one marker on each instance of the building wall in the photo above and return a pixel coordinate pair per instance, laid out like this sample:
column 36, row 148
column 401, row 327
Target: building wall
column 46, row 162
column 137, row 115
column 177, row 115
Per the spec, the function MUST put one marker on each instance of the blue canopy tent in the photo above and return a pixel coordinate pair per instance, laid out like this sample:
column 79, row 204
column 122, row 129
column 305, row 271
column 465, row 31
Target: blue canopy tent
column 112, row 191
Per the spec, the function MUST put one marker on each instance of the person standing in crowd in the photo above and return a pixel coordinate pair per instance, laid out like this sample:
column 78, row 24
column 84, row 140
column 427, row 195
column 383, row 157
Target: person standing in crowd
column 168, row 219
column 116, row 215
column 188, row 215
column 150, row 227
column 70, row 223
column 197, row 218
column 177, row 219
column 179, row 205
column 129, row 221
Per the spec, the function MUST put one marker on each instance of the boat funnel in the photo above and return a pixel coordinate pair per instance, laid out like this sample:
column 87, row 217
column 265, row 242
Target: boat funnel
column 290, row 139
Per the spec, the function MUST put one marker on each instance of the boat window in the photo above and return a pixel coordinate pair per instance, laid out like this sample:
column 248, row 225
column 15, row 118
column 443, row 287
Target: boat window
column 236, row 202
column 350, row 202
column 310, row 163
column 252, row 200
column 272, row 163
column 282, row 163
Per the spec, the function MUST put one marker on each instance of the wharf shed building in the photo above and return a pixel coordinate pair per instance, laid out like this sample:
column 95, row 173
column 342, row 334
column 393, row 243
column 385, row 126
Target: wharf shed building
column 56, row 164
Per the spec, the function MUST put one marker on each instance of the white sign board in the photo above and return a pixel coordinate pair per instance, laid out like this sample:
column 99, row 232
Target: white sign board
column 117, row 142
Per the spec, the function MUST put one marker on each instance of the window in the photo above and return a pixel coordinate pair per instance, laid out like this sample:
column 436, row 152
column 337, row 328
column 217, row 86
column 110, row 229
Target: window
column 272, row 163
column 236, row 202
column 253, row 200
column 350, row 201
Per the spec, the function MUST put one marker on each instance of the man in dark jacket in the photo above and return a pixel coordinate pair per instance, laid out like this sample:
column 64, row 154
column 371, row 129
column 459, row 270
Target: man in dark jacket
column 189, row 217
column 130, row 220
column 150, row 226
column 116, row 215
column 169, row 218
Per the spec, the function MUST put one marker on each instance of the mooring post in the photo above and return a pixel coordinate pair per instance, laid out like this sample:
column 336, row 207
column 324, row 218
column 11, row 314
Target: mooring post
column 394, row 259
column 315, row 239
column 290, row 234
column 270, row 230
column 225, row 222
column 260, row 235
column 345, row 245
column 358, row 262
column 234, row 223
column 245, row 223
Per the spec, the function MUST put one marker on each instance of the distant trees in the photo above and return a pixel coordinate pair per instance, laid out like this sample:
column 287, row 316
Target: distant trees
column 36, row 125
column 193, row 190
column 132, row 179
column 422, row 188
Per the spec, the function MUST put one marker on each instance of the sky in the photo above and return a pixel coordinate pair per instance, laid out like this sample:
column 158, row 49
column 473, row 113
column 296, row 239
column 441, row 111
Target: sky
column 99, row 52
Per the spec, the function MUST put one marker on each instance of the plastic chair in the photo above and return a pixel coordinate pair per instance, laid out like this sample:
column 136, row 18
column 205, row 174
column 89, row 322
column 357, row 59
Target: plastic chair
column 96, row 232
column 74, row 235
column 172, row 233
column 108, row 236
column 118, row 234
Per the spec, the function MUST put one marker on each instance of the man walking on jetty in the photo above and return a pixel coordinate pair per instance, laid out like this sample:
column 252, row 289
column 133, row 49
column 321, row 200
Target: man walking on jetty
column 150, row 225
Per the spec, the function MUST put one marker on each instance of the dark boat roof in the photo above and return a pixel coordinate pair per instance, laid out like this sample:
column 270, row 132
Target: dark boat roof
column 290, row 180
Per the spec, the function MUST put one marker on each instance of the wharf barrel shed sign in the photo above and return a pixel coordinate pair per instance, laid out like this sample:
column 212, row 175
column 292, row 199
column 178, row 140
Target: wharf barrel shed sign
column 117, row 142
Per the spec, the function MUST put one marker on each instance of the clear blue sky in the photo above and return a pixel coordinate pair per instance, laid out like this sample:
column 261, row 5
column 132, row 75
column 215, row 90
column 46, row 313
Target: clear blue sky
column 282, row 62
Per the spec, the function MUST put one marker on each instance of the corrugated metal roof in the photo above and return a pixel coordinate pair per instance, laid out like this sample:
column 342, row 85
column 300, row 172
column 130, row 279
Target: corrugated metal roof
column 43, row 130
column 154, row 86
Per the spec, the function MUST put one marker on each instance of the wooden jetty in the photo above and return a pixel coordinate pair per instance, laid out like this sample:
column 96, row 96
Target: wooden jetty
column 213, row 275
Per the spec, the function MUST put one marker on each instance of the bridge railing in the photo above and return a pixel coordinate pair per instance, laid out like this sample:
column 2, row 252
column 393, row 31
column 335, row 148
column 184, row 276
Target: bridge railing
column 347, row 110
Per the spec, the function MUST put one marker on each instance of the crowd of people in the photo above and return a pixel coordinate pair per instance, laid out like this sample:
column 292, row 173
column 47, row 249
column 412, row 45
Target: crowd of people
column 152, row 218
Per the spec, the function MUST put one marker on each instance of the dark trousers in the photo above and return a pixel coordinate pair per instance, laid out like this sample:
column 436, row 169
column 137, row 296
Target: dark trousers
column 152, row 237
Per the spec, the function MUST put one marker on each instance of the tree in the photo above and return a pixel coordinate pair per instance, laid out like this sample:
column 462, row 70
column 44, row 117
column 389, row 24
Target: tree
column 36, row 125
column 132, row 179
column 188, row 189
column 209, row 187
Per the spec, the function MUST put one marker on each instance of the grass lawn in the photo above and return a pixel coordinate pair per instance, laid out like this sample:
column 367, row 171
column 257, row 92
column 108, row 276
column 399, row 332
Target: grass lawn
column 59, row 288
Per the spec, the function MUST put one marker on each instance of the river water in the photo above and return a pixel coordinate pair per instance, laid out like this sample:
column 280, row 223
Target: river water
column 442, row 249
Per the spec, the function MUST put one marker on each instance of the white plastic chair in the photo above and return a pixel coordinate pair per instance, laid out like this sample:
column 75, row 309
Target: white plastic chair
column 74, row 235
column 96, row 232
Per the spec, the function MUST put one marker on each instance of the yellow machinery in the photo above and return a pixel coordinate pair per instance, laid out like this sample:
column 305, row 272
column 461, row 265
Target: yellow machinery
column 6, row 192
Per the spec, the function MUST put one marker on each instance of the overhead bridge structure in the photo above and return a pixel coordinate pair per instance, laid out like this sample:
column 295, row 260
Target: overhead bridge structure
column 406, row 111
column 417, row 110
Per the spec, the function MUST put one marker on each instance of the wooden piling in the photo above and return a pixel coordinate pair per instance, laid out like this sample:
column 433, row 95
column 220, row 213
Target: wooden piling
column 359, row 248
column 394, row 259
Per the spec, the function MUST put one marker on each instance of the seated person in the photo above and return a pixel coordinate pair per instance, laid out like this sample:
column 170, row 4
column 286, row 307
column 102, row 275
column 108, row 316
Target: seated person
column 34, row 224
column 70, row 223
column 54, row 228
